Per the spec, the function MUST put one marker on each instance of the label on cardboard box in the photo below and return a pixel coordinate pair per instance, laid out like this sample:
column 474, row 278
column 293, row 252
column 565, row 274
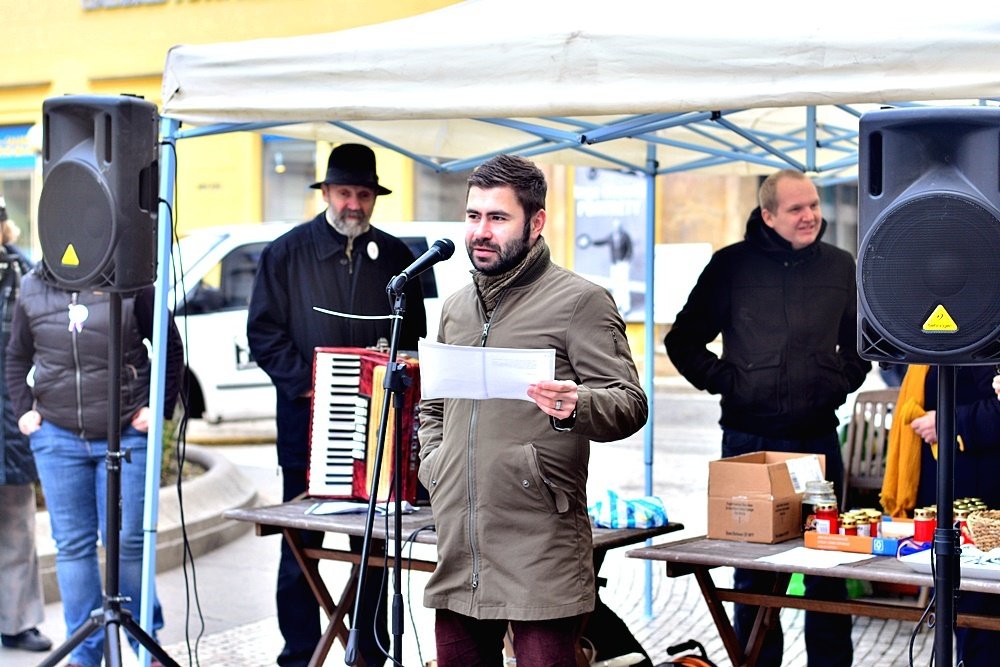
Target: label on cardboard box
column 804, row 469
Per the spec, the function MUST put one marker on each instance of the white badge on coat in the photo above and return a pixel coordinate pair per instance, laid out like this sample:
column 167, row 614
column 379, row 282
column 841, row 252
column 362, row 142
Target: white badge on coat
column 78, row 314
column 372, row 250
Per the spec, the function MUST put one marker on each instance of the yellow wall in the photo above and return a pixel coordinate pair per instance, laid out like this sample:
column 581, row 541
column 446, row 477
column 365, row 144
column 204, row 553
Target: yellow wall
column 62, row 48
column 56, row 47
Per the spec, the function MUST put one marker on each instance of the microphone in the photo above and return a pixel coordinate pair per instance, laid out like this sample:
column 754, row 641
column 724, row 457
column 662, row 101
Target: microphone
column 440, row 251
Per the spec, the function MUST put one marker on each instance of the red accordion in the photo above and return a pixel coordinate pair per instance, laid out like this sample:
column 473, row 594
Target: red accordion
column 348, row 395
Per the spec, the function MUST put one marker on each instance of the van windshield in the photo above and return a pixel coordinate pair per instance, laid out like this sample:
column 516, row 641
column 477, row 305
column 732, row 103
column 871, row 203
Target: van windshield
column 188, row 253
column 190, row 250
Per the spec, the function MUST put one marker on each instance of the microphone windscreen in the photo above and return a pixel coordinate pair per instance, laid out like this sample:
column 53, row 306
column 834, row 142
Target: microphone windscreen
column 446, row 247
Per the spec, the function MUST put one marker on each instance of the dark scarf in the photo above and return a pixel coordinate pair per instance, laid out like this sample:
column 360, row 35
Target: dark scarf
column 491, row 288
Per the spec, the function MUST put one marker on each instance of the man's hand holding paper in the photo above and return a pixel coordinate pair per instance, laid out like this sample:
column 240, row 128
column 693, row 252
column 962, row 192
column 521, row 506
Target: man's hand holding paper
column 556, row 398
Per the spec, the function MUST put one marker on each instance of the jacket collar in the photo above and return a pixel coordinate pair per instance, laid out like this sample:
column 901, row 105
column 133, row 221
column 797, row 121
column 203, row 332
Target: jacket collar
column 535, row 269
column 328, row 242
column 768, row 241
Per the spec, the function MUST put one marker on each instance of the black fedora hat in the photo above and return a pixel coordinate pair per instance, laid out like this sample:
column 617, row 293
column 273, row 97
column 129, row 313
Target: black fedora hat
column 352, row 164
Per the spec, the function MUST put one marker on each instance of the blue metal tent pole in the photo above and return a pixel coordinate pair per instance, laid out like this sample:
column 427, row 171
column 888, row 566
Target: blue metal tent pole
column 154, row 443
column 649, row 354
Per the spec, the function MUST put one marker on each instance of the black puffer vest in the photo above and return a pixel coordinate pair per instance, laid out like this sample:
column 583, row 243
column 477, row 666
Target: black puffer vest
column 71, row 357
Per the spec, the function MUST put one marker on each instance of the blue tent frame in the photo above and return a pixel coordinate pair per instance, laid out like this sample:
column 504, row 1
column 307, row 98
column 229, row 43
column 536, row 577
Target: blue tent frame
column 726, row 142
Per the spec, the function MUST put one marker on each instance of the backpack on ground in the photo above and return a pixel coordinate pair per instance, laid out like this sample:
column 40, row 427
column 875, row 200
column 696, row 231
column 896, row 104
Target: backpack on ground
column 690, row 660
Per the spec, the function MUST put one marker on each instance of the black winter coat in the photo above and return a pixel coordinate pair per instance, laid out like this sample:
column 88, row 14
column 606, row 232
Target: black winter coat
column 977, row 420
column 787, row 319
column 71, row 375
column 307, row 267
column 17, row 465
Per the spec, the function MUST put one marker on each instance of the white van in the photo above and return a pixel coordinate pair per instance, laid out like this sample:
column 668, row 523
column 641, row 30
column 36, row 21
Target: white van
column 218, row 265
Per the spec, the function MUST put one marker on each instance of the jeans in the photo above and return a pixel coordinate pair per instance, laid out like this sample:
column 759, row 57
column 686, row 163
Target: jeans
column 74, row 480
column 463, row 641
column 828, row 636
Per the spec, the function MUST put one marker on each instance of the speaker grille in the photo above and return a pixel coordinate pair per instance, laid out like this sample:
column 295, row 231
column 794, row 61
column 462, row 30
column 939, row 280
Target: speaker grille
column 76, row 210
column 934, row 250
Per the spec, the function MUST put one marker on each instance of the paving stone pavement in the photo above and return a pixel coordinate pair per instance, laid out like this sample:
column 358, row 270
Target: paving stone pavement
column 235, row 582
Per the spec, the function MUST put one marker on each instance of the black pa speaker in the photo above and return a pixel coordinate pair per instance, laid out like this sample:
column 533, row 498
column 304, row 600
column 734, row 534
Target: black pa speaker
column 929, row 236
column 98, row 208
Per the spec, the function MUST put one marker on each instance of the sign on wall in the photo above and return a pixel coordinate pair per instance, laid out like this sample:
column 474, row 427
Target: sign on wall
column 610, row 210
column 15, row 149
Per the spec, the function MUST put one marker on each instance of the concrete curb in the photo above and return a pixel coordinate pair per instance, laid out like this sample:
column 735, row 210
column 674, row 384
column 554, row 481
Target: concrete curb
column 206, row 497
column 249, row 432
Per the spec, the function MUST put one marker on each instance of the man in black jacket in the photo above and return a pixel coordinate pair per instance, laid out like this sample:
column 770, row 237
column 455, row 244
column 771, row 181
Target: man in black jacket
column 785, row 304
column 337, row 261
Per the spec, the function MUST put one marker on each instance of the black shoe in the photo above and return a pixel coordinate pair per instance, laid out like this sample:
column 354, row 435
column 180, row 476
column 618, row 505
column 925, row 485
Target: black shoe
column 29, row 640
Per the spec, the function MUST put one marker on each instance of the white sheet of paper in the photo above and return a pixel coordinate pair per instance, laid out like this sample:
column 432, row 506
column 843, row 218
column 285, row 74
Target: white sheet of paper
column 457, row 371
column 814, row 557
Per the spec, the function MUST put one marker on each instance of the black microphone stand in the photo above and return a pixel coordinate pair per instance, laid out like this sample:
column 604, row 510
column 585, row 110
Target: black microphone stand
column 395, row 384
column 947, row 572
column 112, row 616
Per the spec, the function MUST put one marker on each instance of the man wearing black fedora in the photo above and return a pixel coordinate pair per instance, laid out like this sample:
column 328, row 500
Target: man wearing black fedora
column 339, row 262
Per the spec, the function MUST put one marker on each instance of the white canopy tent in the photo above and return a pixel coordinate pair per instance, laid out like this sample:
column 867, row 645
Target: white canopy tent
column 643, row 85
column 489, row 75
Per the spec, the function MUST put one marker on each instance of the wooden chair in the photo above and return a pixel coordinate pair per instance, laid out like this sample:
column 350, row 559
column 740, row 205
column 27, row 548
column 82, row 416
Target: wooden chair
column 865, row 445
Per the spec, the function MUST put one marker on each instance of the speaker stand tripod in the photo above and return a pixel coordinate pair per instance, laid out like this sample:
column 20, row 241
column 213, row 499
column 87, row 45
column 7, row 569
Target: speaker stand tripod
column 112, row 617
column 947, row 572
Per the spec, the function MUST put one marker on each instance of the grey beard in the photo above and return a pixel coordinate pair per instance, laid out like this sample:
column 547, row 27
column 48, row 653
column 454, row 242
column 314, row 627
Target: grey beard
column 350, row 228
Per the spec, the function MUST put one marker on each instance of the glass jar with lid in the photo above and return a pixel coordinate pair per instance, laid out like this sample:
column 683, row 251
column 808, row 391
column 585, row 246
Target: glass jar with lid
column 818, row 493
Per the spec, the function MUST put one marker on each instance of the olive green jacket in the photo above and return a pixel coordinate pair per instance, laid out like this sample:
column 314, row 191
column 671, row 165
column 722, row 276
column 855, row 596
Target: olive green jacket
column 509, row 490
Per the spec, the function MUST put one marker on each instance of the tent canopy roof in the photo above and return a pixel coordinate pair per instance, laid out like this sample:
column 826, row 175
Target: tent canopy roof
column 488, row 75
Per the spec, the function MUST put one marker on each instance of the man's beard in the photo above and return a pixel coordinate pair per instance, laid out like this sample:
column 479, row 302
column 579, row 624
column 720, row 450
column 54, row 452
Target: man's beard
column 352, row 226
column 507, row 257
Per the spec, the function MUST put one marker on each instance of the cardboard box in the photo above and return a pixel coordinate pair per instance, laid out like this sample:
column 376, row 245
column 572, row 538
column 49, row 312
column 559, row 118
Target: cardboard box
column 757, row 497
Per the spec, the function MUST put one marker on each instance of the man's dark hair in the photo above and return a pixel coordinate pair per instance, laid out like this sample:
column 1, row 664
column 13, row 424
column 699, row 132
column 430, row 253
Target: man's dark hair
column 522, row 175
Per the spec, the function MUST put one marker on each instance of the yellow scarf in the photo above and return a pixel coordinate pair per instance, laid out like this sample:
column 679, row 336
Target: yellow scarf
column 902, row 464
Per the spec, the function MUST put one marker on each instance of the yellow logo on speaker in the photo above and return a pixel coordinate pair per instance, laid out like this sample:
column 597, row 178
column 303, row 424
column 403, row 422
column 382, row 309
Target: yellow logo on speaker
column 940, row 322
column 70, row 257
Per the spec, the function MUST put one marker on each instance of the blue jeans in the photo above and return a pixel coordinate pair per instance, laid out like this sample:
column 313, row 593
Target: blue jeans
column 74, row 480
column 828, row 636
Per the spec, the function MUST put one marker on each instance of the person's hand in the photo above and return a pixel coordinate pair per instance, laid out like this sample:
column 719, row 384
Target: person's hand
column 996, row 385
column 29, row 422
column 555, row 397
column 140, row 420
column 926, row 427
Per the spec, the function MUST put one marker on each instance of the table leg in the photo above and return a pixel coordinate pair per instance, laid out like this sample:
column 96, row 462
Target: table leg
column 335, row 611
column 765, row 619
column 721, row 618
column 739, row 655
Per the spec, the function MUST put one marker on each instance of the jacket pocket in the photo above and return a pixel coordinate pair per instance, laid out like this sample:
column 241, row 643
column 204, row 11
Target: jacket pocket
column 830, row 386
column 756, row 383
column 538, row 484
column 427, row 472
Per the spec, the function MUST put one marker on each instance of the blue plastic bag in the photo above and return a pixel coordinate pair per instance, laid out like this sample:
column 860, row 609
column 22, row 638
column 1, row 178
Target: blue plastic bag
column 617, row 512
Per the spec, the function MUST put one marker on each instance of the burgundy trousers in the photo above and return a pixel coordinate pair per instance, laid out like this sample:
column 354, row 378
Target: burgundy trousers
column 463, row 641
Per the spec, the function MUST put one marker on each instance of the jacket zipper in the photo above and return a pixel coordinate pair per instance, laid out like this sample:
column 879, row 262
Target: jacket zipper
column 76, row 370
column 473, row 544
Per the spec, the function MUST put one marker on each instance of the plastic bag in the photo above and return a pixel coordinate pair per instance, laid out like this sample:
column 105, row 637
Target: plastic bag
column 613, row 511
